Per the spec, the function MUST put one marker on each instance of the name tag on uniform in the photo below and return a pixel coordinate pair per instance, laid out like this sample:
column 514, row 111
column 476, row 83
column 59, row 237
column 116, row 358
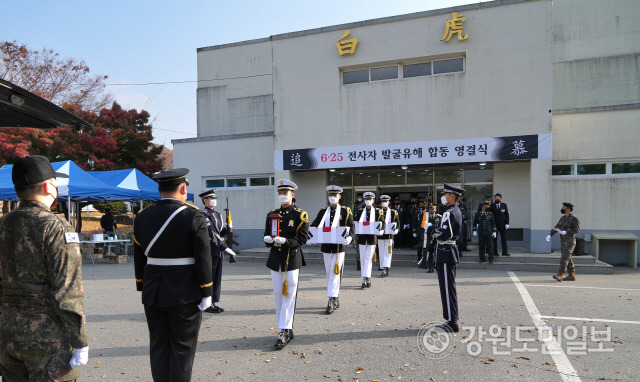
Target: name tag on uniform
column 71, row 237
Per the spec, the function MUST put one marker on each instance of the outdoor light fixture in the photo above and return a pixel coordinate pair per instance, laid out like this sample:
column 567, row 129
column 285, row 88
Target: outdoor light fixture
column 332, row 170
column 404, row 167
column 483, row 163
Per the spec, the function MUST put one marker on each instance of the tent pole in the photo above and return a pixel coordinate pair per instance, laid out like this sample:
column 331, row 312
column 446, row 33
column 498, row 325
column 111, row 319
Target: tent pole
column 69, row 208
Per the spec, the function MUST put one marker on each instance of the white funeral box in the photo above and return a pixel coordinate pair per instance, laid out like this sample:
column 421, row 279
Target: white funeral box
column 328, row 235
column 391, row 229
column 368, row 228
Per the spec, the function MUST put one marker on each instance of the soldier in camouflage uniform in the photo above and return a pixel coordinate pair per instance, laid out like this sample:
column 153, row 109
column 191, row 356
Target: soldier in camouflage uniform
column 43, row 333
column 568, row 226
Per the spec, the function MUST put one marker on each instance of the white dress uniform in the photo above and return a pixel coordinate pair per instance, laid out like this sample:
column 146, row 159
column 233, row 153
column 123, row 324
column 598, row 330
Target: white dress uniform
column 385, row 242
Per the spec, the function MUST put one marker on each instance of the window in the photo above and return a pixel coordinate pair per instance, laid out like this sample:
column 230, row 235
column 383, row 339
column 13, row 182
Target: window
column 261, row 181
column 236, row 182
column 355, row 77
column 592, row 169
column 562, row 169
column 214, row 183
column 625, row 168
column 416, row 70
column 448, row 66
column 384, row 73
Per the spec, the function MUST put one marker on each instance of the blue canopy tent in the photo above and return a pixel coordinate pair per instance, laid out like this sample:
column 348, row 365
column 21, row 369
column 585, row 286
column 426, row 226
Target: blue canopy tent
column 134, row 180
column 7, row 193
column 81, row 186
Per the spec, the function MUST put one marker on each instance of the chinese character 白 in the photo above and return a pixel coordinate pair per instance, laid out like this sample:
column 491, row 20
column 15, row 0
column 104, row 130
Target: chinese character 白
column 454, row 25
column 347, row 46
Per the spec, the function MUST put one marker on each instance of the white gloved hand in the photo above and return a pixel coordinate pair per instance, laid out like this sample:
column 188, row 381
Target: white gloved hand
column 230, row 225
column 548, row 238
column 348, row 240
column 406, row 226
column 475, row 233
column 205, row 303
column 279, row 240
column 563, row 232
column 230, row 252
column 268, row 239
column 493, row 235
column 415, row 234
column 506, row 226
column 80, row 357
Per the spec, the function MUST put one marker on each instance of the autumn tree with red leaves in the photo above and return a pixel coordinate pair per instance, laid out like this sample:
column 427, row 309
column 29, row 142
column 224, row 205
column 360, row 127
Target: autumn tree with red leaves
column 118, row 139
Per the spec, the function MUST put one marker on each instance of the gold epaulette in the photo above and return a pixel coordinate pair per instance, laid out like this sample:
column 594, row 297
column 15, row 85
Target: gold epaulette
column 191, row 205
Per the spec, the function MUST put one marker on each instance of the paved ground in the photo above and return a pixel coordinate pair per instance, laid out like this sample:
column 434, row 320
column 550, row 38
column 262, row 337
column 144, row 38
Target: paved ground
column 374, row 336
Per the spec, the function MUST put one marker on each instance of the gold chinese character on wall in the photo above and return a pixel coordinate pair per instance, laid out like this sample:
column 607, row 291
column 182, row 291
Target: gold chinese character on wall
column 454, row 26
column 347, row 46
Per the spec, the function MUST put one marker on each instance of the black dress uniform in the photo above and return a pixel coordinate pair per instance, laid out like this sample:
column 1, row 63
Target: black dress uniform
column 367, row 243
column 217, row 230
column 485, row 226
column 286, row 259
column 447, row 258
column 501, row 216
column 174, row 277
column 435, row 220
column 334, row 254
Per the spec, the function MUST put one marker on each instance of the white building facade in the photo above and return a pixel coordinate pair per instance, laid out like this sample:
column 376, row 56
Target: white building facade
column 492, row 96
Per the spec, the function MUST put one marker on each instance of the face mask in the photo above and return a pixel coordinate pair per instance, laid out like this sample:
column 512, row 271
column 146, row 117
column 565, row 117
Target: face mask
column 359, row 199
column 385, row 204
column 333, row 199
column 50, row 188
column 368, row 202
column 443, row 199
column 213, row 202
column 283, row 199
column 498, row 201
column 563, row 211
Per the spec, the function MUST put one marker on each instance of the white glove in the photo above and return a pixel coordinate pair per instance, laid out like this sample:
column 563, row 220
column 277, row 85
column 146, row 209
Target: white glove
column 475, row 233
column 80, row 357
column 348, row 240
column 406, row 226
column 548, row 238
column 230, row 225
column 506, row 226
column 563, row 232
column 493, row 235
column 230, row 252
column 279, row 240
column 268, row 239
column 205, row 303
column 415, row 234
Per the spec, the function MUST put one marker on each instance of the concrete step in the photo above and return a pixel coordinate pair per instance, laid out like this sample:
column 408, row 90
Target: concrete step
column 518, row 261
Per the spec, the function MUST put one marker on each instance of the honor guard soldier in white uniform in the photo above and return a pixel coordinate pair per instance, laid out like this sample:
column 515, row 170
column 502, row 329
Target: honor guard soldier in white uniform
column 172, row 260
column 334, row 216
column 447, row 255
column 286, row 231
column 367, row 243
column 217, row 230
column 390, row 217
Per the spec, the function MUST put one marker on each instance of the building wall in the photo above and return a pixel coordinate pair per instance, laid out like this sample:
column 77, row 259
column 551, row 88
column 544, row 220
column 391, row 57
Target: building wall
column 313, row 109
column 596, row 110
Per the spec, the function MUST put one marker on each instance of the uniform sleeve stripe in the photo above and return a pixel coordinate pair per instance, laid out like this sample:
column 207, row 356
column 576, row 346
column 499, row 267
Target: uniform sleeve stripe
column 206, row 285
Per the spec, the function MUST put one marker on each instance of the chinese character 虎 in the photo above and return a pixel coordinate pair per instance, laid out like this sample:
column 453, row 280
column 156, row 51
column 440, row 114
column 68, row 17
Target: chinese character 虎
column 454, row 25
column 347, row 46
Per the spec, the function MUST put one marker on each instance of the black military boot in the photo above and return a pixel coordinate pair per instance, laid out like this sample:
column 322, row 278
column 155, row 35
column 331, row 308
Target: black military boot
column 330, row 306
column 364, row 283
column 368, row 282
column 336, row 302
column 283, row 339
column 385, row 272
column 450, row 326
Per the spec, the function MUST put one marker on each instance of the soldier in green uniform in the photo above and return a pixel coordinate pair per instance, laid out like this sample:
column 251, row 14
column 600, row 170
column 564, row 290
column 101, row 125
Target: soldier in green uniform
column 484, row 227
column 568, row 226
column 43, row 335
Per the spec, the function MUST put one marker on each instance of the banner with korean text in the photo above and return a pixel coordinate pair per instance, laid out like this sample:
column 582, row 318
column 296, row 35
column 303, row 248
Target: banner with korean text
column 518, row 147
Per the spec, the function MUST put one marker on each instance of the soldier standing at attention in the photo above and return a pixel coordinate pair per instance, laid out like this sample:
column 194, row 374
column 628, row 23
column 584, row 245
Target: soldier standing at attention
column 447, row 255
column 43, row 334
column 217, row 230
column 501, row 216
column 172, row 261
column 385, row 242
column 334, row 216
column 484, row 227
column 429, row 248
column 367, row 243
column 356, row 206
column 568, row 226
column 286, row 231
